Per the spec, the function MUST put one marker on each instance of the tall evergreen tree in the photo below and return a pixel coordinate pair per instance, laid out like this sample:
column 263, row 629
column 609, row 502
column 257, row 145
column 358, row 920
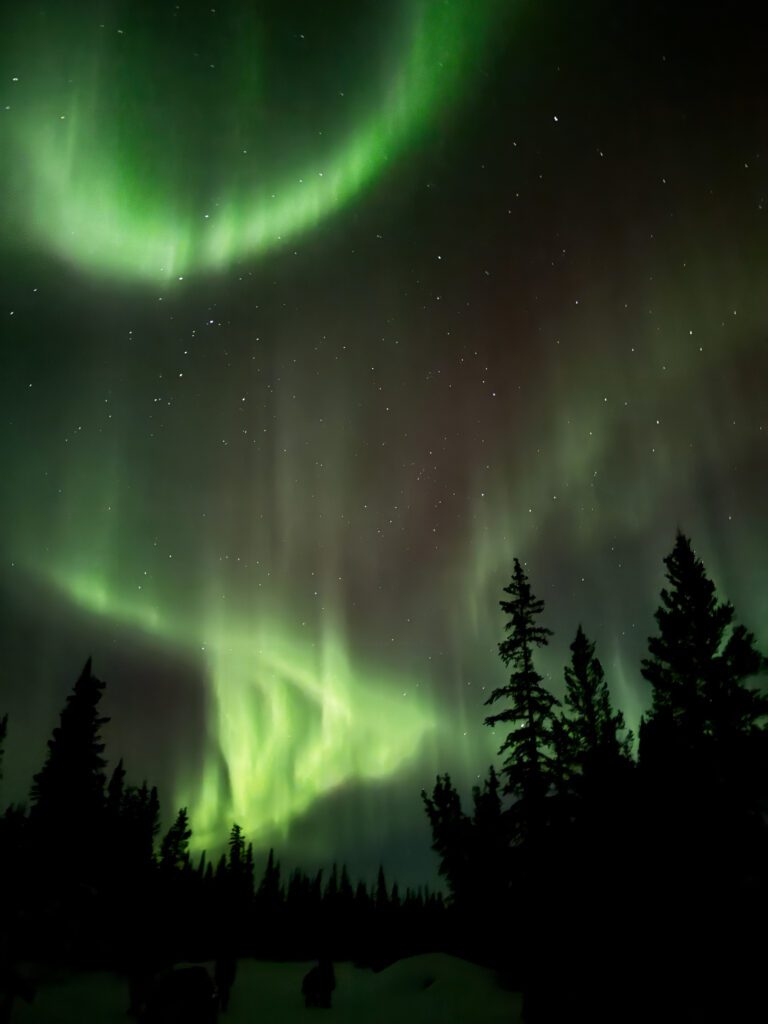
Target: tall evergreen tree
column 202, row 864
column 68, row 792
column 70, row 784
column 591, row 742
column 395, row 901
column 487, row 802
column 236, row 847
column 117, row 844
column 221, row 872
column 116, row 789
column 140, row 825
column 346, row 892
column 489, row 867
column 702, row 773
column 382, row 894
column 698, row 665
column 529, row 766
column 331, row 894
column 174, row 849
column 362, row 897
column 595, row 805
column 269, row 893
column 239, row 866
column 345, row 910
column 316, row 891
column 248, row 870
column 451, row 835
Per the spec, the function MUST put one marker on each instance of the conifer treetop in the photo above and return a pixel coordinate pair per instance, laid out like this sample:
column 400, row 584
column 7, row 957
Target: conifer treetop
column 700, row 658
column 529, row 763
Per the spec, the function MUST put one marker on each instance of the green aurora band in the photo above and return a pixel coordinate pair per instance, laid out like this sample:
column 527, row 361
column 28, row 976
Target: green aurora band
column 101, row 189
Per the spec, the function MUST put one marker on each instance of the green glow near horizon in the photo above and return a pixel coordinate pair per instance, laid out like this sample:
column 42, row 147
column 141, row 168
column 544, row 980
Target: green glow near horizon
column 290, row 719
column 96, row 197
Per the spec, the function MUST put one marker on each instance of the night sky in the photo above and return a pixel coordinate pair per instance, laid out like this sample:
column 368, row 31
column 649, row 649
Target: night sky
column 314, row 316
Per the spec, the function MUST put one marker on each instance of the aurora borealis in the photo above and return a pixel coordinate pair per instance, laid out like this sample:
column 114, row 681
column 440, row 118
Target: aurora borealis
column 107, row 170
column 314, row 316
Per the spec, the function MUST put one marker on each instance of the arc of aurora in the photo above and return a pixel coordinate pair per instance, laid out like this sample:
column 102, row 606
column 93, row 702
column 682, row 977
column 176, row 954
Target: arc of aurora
column 82, row 210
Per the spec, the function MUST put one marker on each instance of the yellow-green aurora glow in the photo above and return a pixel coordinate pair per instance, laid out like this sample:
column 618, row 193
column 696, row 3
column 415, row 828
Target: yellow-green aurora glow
column 290, row 719
column 107, row 182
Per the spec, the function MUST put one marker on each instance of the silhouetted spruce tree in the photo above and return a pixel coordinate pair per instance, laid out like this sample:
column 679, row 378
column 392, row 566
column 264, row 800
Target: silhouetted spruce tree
column 346, row 892
column 248, row 871
column 530, row 773
column 362, row 920
column 591, row 746
column 236, row 846
column 703, row 834
column 178, row 896
column 141, row 824
column 703, row 742
column 703, row 716
column 296, row 913
column 331, row 922
column 314, row 933
column 331, row 894
column 529, row 767
column 298, row 890
column 269, row 893
column 68, row 792
column 490, row 853
column 344, row 916
column 117, row 847
column 202, row 865
column 221, row 877
column 269, row 905
column 381, row 922
column 116, row 790
column 451, row 836
column 487, row 800
column 595, row 835
column 395, row 902
column 382, row 895
column 596, row 767
column 316, row 895
column 239, row 868
column 174, row 849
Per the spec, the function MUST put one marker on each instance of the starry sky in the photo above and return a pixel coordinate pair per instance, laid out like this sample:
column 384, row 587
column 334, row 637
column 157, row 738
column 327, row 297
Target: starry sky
column 314, row 316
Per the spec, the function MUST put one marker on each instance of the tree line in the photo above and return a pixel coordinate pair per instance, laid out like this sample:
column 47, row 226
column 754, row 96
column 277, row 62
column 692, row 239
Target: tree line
column 609, row 879
column 87, row 878
column 614, row 886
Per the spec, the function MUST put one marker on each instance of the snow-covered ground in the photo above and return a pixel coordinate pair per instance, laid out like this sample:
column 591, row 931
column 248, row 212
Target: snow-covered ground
column 431, row 989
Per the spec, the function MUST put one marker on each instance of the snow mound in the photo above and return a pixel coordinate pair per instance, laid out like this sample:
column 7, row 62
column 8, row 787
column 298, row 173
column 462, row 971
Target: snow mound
column 430, row 989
